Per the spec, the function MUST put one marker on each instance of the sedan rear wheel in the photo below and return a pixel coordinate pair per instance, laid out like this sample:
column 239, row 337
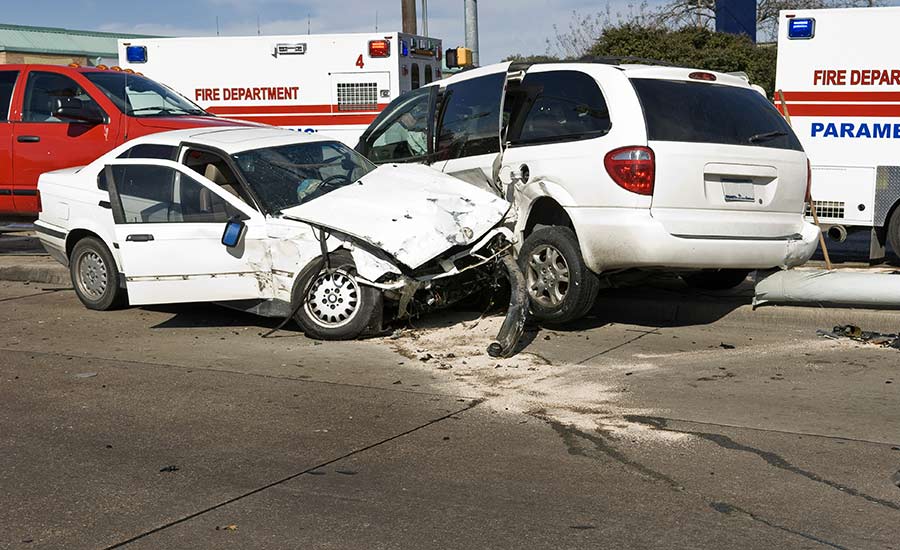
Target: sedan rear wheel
column 94, row 275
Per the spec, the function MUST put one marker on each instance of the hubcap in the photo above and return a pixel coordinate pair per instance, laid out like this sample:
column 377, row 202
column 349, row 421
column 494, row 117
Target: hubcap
column 547, row 276
column 333, row 299
column 92, row 275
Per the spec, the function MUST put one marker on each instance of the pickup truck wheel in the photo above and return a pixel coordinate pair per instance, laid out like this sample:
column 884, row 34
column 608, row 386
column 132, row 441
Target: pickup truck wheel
column 335, row 305
column 95, row 276
column 560, row 286
column 716, row 279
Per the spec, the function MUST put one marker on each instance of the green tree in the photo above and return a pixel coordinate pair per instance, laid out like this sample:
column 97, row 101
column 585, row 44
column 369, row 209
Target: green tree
column 691, row 47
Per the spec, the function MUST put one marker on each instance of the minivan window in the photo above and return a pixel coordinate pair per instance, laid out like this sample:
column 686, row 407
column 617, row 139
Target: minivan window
column 561, row 106
column 7, row 85
column 400, row 133
column 470, row 124
column 699, row 112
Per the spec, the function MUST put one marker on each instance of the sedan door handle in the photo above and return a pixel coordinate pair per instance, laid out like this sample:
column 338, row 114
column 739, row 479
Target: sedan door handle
column 139, row 238
column 28, row 139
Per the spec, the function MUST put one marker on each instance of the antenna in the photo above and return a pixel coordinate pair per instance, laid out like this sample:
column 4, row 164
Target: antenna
column 257, row 25
column 217, row 25
column 376, row 20
column 308, row 24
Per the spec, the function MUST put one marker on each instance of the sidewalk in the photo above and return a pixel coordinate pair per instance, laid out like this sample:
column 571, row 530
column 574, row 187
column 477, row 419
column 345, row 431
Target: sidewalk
column 33, row 268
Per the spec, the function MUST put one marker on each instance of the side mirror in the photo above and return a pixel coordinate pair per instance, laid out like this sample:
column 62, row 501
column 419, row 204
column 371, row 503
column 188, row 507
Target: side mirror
column 234, row 232
column 73, row 109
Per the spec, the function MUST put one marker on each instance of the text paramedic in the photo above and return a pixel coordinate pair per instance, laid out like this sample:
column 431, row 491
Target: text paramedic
column 264, row 93
column 851, row 130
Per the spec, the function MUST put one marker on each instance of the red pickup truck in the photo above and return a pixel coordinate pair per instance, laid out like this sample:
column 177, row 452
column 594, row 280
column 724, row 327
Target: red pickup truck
column 54, row 117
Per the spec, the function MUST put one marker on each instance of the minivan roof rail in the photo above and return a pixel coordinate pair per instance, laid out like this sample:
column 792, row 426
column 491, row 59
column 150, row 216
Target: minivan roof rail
column 622, row 60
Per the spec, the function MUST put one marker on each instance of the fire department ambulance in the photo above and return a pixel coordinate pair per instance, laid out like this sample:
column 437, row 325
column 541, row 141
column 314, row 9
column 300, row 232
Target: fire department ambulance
column 335, row 84
column 840, row 75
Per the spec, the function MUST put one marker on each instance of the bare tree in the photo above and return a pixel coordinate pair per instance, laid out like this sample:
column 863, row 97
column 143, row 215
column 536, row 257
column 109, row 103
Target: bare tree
column 585, row 29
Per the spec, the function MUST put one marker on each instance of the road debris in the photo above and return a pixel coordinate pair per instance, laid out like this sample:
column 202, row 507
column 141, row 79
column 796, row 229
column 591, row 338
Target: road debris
column 853, row 332
column 170, row 468
column 86, row 375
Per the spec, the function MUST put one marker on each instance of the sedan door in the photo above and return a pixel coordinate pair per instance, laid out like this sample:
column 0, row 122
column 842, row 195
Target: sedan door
column 169, row 223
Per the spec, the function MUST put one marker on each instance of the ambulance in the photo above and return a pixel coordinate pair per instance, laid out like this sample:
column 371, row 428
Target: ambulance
column 839, row 73
column 335, row 84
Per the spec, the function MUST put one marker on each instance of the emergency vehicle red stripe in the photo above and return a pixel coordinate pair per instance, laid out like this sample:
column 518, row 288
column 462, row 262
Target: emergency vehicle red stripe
column 839, row 110
column 309, row 120
column 848, row 97
column 282, row 109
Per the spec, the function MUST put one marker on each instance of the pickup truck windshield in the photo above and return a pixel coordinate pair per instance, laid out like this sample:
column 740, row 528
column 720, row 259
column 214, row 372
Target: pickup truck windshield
column 138, row 96
column 699, row 112
column 294, row 174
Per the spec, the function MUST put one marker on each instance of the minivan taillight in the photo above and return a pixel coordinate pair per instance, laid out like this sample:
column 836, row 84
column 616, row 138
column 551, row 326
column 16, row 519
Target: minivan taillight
column 632, row 168
column 40, row 207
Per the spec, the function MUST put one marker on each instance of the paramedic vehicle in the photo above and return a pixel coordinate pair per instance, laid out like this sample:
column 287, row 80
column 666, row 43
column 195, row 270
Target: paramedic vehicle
column 840, row 76
column 267, row 220
column 54, row 117
column 335, row 83
column 614, row 167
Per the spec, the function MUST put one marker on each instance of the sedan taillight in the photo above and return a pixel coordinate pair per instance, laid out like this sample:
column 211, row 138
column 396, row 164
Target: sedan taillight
column 632, row 168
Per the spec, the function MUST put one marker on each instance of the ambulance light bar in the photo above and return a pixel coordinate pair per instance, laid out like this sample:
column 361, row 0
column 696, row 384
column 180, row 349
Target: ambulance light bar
column 379, row 48
column 801, row 29
column 136, row 54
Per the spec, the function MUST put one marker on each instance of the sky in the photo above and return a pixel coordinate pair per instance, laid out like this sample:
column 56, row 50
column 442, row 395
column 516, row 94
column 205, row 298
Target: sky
column 505, row 26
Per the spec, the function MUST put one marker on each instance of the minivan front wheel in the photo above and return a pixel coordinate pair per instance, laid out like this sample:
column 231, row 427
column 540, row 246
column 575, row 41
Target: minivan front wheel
column 560, row 286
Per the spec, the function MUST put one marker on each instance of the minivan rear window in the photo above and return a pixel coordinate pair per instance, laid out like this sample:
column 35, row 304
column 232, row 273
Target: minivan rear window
column 699, row 112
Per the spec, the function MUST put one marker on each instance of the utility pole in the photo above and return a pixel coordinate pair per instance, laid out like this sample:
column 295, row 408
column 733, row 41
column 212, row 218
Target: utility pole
column 424, row 17
column 408, row 10
column 472, row 28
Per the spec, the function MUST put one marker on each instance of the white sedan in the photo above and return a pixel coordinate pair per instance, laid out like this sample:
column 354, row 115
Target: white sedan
column 270, row 221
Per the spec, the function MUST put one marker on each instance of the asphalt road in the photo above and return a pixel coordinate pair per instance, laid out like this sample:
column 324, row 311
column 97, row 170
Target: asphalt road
column 181, row 427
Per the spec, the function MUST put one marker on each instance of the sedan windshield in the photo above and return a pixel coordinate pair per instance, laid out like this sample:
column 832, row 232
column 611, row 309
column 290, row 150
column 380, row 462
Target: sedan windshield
column 136, row 95
column 294, row 174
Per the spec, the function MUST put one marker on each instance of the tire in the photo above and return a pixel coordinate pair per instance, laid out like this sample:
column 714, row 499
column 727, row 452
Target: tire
column 336, row 306
column 95, row 276
column 893, row 231
column 560, row 286
column 716, row 279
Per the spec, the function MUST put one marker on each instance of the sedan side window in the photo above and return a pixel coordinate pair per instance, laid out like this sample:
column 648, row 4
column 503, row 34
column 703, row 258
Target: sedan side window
column 160, row 194
column 470, row 124
column 141, row 151
column 401, row 132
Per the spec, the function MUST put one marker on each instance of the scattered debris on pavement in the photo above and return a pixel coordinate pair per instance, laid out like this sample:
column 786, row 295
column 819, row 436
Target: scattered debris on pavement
column 853, row 332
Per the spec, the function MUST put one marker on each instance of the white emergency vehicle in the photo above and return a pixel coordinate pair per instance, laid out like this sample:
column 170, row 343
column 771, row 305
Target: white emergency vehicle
column 840, row 76
column 330, row 83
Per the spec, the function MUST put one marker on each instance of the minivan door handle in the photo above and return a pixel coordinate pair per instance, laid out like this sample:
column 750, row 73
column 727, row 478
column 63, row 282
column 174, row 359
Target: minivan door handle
column 28, row 139
column 139, row 238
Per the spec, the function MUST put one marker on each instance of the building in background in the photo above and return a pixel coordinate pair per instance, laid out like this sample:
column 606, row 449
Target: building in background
column 55, row 46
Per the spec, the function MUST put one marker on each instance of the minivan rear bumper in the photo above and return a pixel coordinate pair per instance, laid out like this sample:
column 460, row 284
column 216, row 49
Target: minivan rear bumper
column 619, row 238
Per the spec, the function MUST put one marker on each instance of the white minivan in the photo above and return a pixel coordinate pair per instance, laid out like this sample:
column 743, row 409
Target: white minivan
column 614, row 167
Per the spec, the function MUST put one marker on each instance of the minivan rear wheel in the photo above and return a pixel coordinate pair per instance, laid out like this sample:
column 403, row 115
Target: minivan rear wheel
column 715, row 279
column 561, row 288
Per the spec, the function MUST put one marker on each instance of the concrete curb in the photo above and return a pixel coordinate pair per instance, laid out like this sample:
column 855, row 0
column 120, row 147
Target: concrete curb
column 37, row 272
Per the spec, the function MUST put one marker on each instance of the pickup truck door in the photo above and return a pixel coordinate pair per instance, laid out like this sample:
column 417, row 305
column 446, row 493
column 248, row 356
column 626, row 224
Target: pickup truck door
column 7, row 86
column 470, row 123
column 43, row 142
column 169, row 223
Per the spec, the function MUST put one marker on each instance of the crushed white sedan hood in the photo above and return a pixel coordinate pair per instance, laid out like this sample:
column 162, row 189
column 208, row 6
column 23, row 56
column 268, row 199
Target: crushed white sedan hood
column 412, row 212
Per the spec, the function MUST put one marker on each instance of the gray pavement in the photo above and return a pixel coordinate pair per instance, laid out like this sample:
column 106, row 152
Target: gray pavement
column 726, row 431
